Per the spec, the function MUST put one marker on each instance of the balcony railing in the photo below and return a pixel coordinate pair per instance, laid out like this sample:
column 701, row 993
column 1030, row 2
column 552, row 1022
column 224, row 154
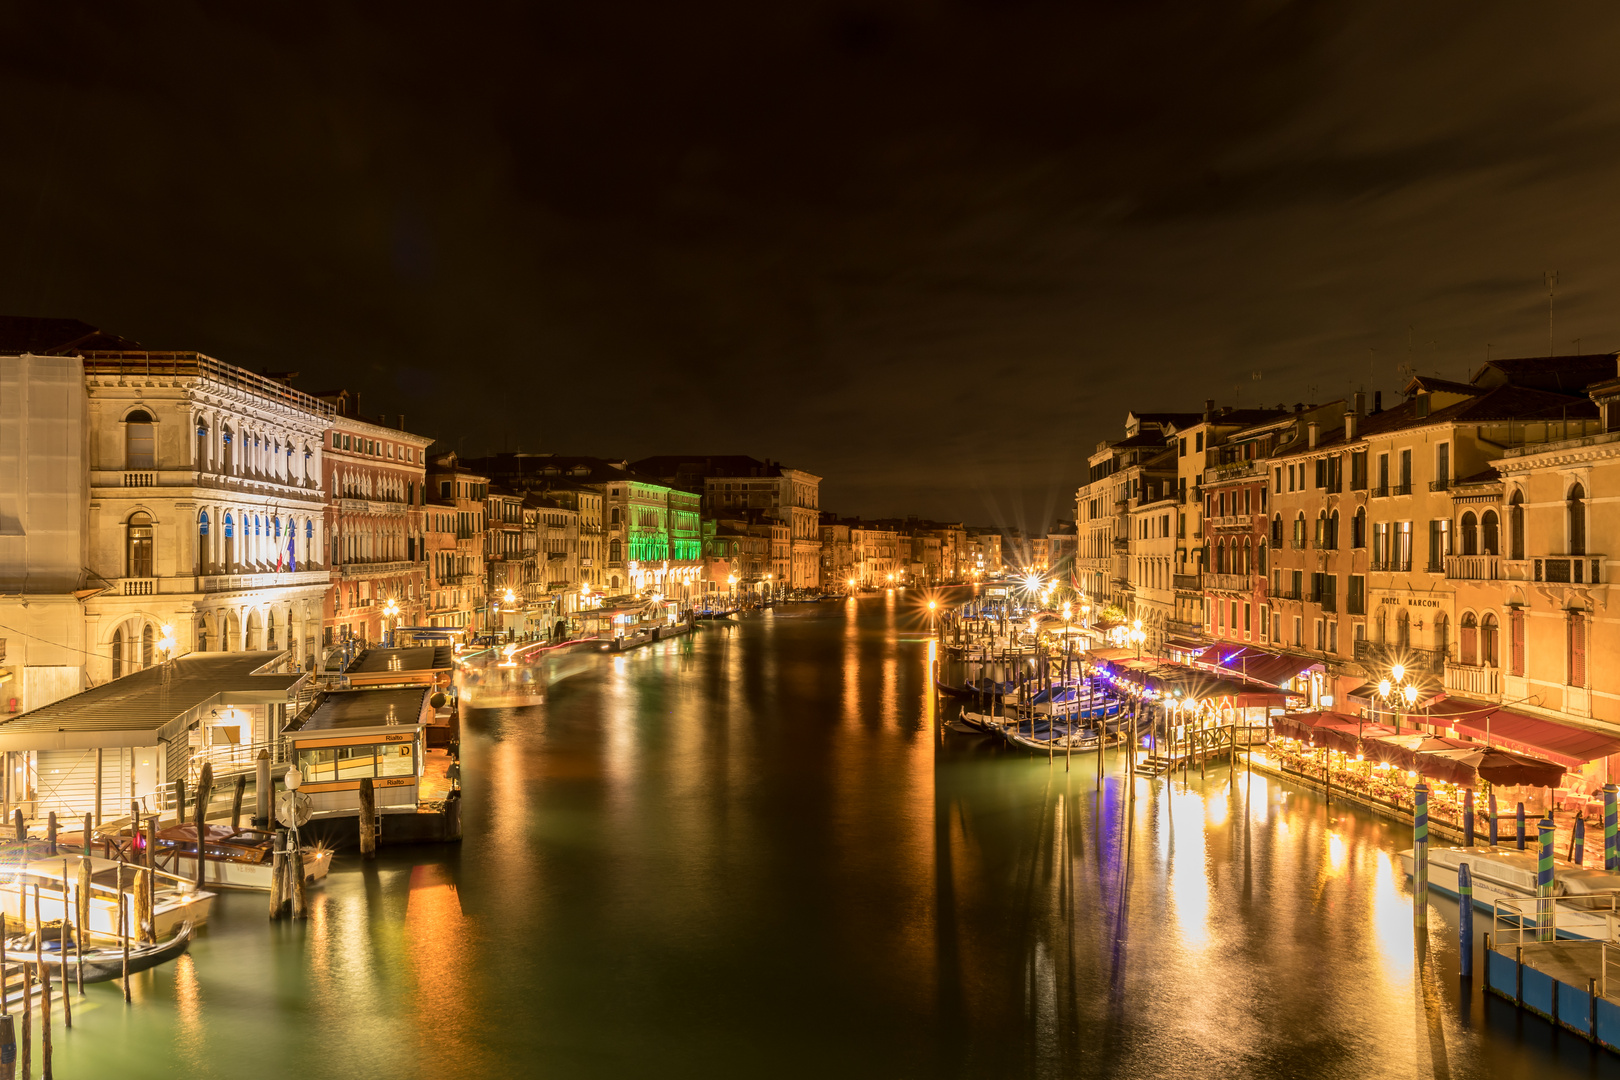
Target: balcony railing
column 1570, row 569
column 1474, row 567
column 1401, row 489
column 1188, row 581
column 1380, row 656
column 1392, row 566
column 1443, row 484
column 1229, row 582
column 367, row 569
column 1297, row 543
column 139, row 586
column 233, row 582
column 1477, row 680
column 1379, row 492
column 140, row 479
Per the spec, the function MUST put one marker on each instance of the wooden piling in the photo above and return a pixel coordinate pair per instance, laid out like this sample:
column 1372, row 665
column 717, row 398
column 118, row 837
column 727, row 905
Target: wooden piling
column 236, row 800
column 45, row 990
column 368, row 818
column 278, row 875
column 62, row 943
column 84, row 915
column 50, row 833
column 123, row 926
column 261, row 791
column 98, row 786
column 143, row 906
column 4, row 1007
column 88, row 829
column 28, row 1003
column 22, row 830
column 205, row 788
column 151, row 863
column 180, row 801
column 295, row 868
column 8, row 1049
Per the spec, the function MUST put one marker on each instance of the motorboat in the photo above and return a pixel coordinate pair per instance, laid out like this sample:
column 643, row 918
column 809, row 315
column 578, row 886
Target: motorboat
column 100, row 962
column 1503, row 878
column 236, row 858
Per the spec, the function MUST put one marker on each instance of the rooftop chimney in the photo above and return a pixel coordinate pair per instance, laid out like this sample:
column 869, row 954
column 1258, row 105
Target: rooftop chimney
column 1312, row 429
column 1209, row 409
column 1352, row 417
column 1361, row 403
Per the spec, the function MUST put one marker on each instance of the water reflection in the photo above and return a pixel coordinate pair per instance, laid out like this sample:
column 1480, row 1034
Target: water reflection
column 755, row 851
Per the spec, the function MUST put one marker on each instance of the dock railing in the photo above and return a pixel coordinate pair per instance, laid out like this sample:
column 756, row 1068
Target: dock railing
column 1512, row 915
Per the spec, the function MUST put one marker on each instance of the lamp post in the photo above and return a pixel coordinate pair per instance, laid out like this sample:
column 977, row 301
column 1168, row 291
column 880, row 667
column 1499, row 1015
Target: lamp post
column 932, row 629
column 1395, row 691
column 390, row 615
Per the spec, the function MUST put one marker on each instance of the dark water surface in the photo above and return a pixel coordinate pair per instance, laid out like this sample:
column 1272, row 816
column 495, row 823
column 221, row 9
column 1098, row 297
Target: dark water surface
column 754, row 852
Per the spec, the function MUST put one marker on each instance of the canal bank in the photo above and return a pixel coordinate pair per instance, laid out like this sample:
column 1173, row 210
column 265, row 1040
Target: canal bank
column 760, row 851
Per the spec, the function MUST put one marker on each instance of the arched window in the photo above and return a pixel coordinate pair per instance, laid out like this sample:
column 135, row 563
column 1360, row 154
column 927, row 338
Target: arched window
column 1487, row 640
column 1470, row 535
column 1260, row 560
column 230, row 543
column 1276, row 531
column 140, row 452
column 1333, row 531
column 1299, row 529
column 1220, row 557
column 1380, row 632
column 140, row 545
column 227, row 452
column 1358, row 528
column 615, row 518
column 1516, row 526
column 1577, row 520
column 1489, row 541
column 1468, row 646
column 1403, row 629
column 1442, row 635
column 202, row 542
column 118, row 653
column 148, row 646
column 201, row 461
column 614, row 549
column 1321, row 529
column 1248, row 555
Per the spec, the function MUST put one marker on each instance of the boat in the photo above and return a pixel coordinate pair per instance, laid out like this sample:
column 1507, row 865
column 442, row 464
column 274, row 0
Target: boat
column 176, row 899
column 237, row 858
column 1585, row 898
column 103, row 962
column 1046, row 736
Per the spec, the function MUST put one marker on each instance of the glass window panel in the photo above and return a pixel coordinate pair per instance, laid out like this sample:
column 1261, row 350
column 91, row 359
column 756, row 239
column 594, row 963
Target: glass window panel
column 396, row 760
column 317, row 764
column 353, row 762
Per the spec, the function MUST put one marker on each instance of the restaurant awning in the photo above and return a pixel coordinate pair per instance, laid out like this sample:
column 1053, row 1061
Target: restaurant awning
column 1181, row 644
column 1569, row 746
column 1256, row 665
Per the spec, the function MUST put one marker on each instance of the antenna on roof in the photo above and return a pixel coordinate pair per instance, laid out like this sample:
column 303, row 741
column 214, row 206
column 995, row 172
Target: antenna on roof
column 1551, row 277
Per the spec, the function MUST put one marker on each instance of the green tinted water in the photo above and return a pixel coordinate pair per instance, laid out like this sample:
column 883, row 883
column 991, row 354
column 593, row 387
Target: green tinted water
column 754, row 852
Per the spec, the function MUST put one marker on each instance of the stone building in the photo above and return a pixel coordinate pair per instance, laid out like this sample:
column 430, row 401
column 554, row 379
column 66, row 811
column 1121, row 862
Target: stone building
column 375, row 481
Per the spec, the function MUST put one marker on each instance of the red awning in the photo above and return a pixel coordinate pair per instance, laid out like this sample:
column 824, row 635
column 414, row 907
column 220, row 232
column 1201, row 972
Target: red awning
column 1255, row 665
column 1566, row 745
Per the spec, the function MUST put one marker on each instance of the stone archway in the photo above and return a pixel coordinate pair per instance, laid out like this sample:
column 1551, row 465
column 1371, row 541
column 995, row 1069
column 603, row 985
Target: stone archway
column 254, row 639
column 232, row 641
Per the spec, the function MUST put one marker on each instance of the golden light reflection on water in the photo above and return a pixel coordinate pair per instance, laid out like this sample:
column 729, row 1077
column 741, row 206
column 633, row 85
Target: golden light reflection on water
column 1391, row 917
column 1189, row 874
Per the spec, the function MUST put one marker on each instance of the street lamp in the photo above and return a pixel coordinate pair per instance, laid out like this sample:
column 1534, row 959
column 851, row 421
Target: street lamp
column 1137, row 636
column 1396, row 691
column 931, row 626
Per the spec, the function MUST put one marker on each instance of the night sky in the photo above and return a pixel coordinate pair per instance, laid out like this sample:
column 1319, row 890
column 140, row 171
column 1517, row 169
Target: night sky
column 931, row 251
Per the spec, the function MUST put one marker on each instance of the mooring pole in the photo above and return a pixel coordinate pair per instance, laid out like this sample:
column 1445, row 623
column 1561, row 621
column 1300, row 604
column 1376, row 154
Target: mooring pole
column 1465, row 921
column 1491, row 818
column 1519, row 819
column 1544, row 881
column 1468, row 817
column 1611, row 857
column 1420, row 857
column 1578, row 841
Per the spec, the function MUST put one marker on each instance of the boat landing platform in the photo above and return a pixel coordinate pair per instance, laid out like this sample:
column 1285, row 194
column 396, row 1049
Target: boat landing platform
column 1561, row 981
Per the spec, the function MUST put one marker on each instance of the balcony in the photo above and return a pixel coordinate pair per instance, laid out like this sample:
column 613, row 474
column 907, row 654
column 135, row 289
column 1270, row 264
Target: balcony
column 1230, row 521
column 140, row 479
column 138, row 587
column 235, row 582
column 1391, row 566
column 1239, row 583
column 1190, row 582
column 369, row 569
column 1380, row 492
column 1569, row 569
column 1234, row 469
column 1401, row 489
column 1121, row 543
column 1380, row 657
column 1474, row 680
column 1474, row 567
column 1297, row 543
column 1440, row 485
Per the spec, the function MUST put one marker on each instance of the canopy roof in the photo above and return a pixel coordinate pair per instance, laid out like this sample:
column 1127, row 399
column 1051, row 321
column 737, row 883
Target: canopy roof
column 1566, row 745
column 1255, row 665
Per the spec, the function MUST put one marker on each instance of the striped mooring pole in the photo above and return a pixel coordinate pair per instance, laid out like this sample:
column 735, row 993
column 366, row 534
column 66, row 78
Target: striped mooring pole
column 1519, row 819
column 1611, row 855
column 1420, row 856
column 1580, row 841
column 1492, row 816
column 1468, row 817
column 1465, row 921
column 1544, row 881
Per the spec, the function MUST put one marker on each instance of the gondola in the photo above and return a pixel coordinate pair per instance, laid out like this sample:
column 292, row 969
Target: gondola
column 104, row 962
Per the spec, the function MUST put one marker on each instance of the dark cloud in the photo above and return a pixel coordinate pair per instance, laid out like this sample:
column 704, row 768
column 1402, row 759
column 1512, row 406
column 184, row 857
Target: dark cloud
column 933, row 250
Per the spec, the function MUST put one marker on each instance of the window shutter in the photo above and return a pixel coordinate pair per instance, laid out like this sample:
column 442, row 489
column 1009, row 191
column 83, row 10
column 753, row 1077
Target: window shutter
column 1516, row 642
column 1577, row 649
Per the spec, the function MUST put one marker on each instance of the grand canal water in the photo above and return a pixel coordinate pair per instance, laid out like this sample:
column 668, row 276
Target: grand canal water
column 754, row 852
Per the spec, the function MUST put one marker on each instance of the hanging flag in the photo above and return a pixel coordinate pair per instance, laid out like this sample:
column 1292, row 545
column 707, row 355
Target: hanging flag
column 292, row 552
